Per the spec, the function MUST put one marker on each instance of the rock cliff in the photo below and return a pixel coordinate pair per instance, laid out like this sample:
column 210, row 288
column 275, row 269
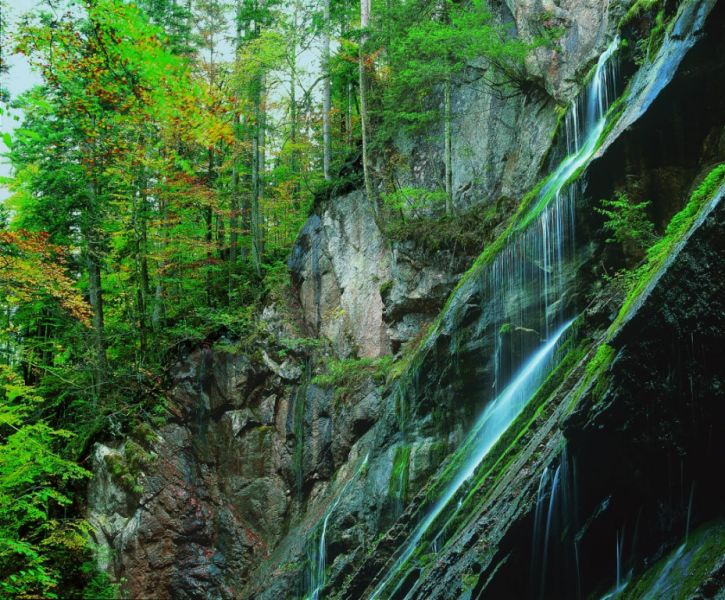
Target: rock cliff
column 269, row 481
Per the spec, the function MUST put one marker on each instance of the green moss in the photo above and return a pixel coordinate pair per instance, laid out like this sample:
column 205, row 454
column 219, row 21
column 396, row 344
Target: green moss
column 495, row 465
column 348, row 375
column 398, row 483
column 682, row 571
column 638, row 9
column 508, row 443
column 594, row 372
column 469, row 581
column 677, row 228
column 528, row 213
column 291, row 567
column 144, row 433
column 386, row 287
column 506, row 452
column 126, row 467
column 463, row 233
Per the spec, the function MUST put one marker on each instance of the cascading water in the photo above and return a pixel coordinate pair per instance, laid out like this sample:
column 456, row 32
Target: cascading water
column 554, row 548
column 532, row 265
column 317, row 556
column 496, row 418
column 535, row 263
column 620, row 582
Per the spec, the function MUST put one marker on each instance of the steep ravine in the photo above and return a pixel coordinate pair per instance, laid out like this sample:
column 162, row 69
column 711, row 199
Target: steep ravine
column 268, row 485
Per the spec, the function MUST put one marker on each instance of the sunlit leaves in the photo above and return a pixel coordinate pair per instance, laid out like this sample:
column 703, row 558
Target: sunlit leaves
column 30, row 266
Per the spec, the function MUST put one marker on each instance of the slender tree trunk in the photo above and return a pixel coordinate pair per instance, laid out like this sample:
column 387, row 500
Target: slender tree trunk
column 208, row 217
column 158, row 309
column 441, row 15
column 262, row 132
column 142, row 266
column 348, row 115
column 448, row 144
column 95, row 290
column 294, row 117
column 364, row 23
column 235, row 210
column 326, row 95
column 95, row 296
column 349, row 92
column 256, row 191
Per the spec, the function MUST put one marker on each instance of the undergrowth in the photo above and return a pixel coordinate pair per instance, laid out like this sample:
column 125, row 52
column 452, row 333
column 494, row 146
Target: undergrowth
column 348, row 375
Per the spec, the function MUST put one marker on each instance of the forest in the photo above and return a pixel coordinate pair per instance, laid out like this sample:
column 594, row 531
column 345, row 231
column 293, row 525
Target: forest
column 282, row 279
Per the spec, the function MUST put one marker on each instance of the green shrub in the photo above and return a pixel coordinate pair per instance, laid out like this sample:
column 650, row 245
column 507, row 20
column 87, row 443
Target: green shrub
column 678, row 226
column 628, row 224
column 349, row 374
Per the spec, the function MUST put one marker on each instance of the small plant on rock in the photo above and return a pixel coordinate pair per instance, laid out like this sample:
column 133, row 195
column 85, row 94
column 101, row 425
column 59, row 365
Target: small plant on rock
column 629, row 225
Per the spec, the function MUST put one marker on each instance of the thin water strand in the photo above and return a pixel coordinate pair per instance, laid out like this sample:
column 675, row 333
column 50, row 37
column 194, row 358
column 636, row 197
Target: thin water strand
column 318, row 579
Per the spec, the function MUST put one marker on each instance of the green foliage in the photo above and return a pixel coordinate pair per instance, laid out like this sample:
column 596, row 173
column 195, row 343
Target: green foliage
column 398, row 483
column 34, row 482
column 99, row 586
column 348, row 375
column 639, row 8
column 413, row 200
column 464, row 233
column 680, row 573
column 628, row 224
column 430, row 43
column 679, row 225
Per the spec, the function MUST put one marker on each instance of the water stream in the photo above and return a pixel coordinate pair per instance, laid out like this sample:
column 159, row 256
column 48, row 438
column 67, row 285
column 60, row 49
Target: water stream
column 531, row 270
column 317, row 557
column 494, row 420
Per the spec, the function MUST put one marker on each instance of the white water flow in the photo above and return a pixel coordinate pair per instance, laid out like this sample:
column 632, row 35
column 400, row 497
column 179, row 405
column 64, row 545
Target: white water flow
column 525, row 289
column 527, row 282
column 494, row 420
column 317, row 579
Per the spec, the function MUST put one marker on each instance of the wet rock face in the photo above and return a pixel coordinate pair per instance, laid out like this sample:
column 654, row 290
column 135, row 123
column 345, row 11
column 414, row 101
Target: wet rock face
column 214, row 497
column 249, row 444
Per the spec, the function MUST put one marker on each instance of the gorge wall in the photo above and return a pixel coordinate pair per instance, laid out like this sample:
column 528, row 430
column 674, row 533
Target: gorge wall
column 269, row 482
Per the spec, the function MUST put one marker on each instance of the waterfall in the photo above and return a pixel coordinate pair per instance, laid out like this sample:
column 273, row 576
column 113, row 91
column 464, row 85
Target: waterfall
column 554, row 549
column 532, row 265
column 317, row 556
column 494, row 420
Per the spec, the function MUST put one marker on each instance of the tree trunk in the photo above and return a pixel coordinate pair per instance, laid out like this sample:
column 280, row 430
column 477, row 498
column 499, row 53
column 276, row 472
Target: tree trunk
column 447, row 141
column 262, row 132
column 142, row 266
column 364, row 23
column 208, row 218
column 326, row 95
column 95, row 292
column 95, row 296
column 256, row 187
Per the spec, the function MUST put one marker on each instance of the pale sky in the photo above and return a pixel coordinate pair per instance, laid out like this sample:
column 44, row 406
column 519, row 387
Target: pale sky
column 19, row 79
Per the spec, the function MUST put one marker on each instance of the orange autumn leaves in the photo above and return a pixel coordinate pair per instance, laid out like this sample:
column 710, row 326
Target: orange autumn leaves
column 30, row 267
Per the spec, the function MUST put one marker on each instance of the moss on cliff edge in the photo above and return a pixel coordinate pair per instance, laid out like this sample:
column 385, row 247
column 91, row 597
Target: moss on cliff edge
column 677, row 229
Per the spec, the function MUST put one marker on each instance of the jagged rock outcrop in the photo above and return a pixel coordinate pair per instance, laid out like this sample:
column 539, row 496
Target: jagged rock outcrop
column 339, row 263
